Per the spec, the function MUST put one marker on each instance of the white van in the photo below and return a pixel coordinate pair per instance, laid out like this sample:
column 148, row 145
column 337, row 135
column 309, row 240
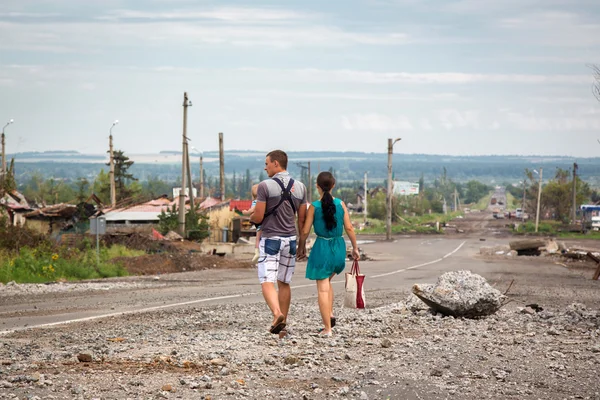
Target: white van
column 519, row 213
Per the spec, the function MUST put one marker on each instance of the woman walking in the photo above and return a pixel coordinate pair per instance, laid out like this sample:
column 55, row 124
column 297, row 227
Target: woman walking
column 329, row 217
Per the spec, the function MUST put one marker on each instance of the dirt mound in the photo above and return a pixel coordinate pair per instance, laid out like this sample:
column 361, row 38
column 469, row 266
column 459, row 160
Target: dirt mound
column 151, row 264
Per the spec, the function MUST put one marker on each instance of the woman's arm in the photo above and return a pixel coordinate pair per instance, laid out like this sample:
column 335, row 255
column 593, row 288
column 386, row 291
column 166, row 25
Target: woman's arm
column 308, row 221
column 350, row 232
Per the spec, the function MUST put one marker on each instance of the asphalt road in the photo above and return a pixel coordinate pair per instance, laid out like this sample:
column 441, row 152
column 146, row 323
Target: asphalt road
column 396, row 267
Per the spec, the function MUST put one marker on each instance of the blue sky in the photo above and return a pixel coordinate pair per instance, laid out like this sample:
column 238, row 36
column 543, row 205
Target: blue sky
column 459, row 77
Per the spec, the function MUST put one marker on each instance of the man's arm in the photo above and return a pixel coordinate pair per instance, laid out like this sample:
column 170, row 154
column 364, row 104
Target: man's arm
column 307, row 221
column 262, row 194
column 259, row 212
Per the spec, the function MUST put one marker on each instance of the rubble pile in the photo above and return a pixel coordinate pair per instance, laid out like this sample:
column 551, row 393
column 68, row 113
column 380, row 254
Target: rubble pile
column 460, row 294
column 225, row 352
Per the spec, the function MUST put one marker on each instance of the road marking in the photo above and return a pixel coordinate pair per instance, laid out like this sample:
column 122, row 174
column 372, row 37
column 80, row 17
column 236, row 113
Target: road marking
column 232, row 296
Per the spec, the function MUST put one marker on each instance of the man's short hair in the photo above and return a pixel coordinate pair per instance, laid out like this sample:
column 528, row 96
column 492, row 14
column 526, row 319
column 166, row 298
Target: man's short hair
column 280, row 157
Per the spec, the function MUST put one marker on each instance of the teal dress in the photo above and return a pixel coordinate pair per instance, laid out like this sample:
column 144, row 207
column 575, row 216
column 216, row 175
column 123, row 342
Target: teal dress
column 328, row 254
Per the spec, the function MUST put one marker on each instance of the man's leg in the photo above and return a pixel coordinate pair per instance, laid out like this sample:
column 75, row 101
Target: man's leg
column 285, row 297
column 267, row 275
column 272, row 299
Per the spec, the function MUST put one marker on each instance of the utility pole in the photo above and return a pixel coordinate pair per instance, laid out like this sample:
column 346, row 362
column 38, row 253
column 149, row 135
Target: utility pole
column 189, row 174
column 575, row 166
column 4, row 149
column 201, row 179
column 455, row 200
column 113, row 188
column 181, row 215
column 537, row 214
column 523, row 201
column 366, row 195
column 309, row 183
column 222, row 166
column 310, row 186
column 388, row 231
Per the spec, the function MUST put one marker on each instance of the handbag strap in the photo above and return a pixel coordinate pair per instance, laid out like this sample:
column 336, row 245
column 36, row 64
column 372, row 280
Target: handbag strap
column 355, row 268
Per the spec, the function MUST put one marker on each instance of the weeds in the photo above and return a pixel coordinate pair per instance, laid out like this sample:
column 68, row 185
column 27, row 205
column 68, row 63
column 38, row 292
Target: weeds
column 37, row 265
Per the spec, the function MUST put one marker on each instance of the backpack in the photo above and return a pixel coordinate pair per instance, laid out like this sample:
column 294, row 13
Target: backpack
column 286, row 194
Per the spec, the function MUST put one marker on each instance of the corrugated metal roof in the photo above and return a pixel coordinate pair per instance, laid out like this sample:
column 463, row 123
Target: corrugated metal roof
column 132, row 216
column 240, row 204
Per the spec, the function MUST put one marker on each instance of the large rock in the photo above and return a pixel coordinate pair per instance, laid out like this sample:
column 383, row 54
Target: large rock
column 460, row 294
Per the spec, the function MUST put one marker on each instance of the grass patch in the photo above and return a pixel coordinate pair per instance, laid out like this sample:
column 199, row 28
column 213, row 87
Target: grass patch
column 417, row 224
column 577, row 235
column 483, row 203
column 510, row 200
column 47, row 264
column 118, row 250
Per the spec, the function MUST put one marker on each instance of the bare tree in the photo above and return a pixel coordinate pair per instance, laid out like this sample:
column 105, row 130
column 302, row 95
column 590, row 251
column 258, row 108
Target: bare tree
column 596, row 86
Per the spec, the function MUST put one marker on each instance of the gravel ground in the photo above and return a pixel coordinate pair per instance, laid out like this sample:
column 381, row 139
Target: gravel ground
column 384, row 352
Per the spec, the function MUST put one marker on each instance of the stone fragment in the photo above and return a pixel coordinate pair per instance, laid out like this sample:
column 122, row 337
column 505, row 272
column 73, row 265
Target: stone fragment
column 290, row 360
column 460, row 294
column 84, row 357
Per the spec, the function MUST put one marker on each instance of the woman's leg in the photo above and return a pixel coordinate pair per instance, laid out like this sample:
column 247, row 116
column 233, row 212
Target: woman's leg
column 330, row 296
column 323, row 286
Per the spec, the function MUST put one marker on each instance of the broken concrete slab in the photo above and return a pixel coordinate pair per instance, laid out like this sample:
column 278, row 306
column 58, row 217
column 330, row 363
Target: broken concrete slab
column 493, row 250
column 460, row 294
column 526, row 244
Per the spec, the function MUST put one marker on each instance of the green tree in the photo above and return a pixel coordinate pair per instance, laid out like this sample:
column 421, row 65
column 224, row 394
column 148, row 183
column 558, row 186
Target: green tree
column 196, row 224
column 123, row 178
column 154, row 187
column 101, row 187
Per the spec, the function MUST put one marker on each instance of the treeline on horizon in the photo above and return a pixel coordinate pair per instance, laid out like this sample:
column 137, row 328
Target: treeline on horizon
column 346, row 169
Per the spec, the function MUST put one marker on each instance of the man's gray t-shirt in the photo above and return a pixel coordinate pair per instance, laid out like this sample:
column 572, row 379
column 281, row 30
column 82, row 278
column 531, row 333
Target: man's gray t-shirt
column 283, row 221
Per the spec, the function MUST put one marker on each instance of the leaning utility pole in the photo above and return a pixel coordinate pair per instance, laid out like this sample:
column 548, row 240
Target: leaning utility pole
column 539, row 198
column 201, row 179
column 365, row 199
column 575, row 166
column 181, row 215
column 3, row 148
column 222, row 166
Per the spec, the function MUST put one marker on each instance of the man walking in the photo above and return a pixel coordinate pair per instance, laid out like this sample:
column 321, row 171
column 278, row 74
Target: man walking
column 278, row 201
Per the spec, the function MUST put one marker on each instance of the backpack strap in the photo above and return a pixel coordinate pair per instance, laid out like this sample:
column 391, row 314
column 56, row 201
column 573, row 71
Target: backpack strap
column 286, row 194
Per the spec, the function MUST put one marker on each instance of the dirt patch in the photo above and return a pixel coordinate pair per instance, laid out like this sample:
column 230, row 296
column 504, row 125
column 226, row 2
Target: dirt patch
column 151, row 264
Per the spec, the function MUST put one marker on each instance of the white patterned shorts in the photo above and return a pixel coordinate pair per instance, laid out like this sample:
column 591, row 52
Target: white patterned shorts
column 277, row 259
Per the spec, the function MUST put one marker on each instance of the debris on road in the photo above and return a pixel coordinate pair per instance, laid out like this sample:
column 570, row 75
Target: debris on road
column 460, row 294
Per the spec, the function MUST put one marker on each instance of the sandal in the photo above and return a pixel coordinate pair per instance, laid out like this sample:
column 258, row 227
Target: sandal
column 279, row 325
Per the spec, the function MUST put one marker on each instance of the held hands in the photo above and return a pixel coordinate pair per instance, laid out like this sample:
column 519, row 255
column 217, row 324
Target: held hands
column 301, row 253
column 355, row 254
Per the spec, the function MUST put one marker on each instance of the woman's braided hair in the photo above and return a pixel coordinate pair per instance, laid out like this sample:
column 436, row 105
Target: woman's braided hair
column 325, row 181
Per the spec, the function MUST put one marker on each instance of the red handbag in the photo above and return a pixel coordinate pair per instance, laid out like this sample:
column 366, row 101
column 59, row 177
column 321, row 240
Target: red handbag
column 355, row 293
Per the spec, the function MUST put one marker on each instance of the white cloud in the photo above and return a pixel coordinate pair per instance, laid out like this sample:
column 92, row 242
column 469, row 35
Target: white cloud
column 227, row 14
column 553, row 28
column 531, row 121
column 376, row 122
column 227, row 26
column 451, row 119
column 320, row 75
